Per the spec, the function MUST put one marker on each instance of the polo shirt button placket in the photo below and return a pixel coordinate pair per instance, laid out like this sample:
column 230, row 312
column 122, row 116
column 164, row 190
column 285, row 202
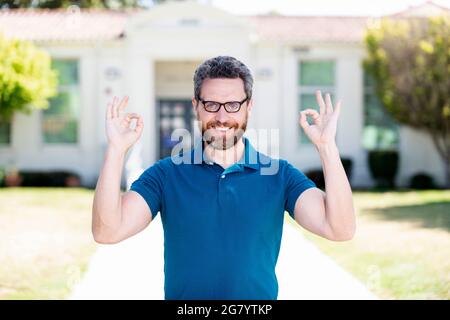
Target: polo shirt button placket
column 223, row 197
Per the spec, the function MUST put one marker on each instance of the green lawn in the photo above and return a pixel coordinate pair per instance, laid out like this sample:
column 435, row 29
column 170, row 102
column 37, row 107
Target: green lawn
column 45, row 241
column 401, row 249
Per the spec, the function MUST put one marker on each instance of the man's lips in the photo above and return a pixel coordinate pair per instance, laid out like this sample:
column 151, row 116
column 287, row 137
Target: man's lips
column 223, row 130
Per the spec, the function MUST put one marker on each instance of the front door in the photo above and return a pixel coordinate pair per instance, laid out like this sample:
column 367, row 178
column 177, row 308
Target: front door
column 173, row 114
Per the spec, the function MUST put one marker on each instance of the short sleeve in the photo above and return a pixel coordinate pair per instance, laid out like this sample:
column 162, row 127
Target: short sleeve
column 150, row 186
column 295, row 183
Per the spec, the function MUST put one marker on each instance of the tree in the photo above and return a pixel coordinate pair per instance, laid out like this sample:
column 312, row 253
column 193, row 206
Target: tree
column 26, row 78
column 409, row 60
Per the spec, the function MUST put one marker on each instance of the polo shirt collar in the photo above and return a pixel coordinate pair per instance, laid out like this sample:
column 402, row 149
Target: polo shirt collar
column 250, row 158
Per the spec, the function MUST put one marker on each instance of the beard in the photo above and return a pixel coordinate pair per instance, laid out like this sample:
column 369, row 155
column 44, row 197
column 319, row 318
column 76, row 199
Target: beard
column 226, row 140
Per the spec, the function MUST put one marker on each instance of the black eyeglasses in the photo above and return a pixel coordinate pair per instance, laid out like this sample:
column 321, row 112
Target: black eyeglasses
column 230, row 107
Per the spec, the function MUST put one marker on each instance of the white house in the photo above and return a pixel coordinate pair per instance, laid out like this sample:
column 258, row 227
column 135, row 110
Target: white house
column 151, row 55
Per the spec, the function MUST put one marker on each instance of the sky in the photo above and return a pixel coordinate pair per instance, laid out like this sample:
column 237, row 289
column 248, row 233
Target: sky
column 319, row 7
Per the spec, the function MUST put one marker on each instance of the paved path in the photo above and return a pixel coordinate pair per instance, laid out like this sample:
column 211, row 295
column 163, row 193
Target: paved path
column 133, row 269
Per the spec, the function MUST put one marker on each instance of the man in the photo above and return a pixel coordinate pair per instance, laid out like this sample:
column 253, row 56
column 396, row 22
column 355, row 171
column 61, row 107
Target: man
column 222, row 217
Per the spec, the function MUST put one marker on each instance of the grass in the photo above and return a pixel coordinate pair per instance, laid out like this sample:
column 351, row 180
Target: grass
column 401, row 249
column 45, row 241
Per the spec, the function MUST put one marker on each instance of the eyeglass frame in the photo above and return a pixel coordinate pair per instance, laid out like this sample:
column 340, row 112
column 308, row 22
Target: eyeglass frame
column 223, row 104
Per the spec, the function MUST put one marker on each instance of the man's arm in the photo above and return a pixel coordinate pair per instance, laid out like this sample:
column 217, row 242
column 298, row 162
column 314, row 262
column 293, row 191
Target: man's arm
column 330, row 215
column 117, row 216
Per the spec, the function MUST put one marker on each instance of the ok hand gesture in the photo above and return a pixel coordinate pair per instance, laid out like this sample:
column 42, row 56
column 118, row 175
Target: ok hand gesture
column 323, row 129
column 121, row 136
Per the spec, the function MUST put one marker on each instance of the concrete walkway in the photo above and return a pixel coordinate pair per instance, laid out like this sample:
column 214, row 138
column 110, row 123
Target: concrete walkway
column 133, row 269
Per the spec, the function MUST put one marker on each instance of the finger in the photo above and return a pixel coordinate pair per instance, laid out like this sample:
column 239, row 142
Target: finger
column 328, row 103
column 123, row 104
column 304, row 124
column 114, row 107
column 303, row 117
column 129, row 117
column 320, row 101
column 313, row 113
column 139, row 125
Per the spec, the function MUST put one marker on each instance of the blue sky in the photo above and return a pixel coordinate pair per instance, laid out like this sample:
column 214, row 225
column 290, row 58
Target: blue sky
column 318, row 7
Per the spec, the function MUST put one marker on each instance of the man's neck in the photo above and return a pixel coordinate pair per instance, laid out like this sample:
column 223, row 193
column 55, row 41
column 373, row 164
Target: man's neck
column 228, row 157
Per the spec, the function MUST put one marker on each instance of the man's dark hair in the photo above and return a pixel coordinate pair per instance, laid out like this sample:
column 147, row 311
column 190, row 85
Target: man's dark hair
column 223, row 67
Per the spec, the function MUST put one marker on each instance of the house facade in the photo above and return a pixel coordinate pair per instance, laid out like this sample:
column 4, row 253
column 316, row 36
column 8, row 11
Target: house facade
column 150, row 55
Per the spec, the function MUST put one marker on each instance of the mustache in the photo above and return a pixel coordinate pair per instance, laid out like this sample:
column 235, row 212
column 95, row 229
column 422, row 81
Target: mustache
column 213, row 124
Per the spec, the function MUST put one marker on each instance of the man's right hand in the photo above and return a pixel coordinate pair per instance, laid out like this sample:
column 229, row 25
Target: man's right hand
column 118, row 125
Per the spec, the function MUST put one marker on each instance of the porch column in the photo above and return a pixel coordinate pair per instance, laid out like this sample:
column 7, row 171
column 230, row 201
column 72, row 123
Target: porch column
column 140, row 87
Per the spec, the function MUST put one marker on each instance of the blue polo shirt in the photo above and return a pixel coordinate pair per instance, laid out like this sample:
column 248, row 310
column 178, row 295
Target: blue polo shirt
column 222, row 227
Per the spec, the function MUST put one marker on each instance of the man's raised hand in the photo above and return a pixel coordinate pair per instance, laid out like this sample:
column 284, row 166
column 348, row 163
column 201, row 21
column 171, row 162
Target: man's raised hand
column 119, row 130
column 323, row 129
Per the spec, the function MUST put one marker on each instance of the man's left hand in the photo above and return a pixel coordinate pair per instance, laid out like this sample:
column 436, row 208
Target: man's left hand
column 323, row 130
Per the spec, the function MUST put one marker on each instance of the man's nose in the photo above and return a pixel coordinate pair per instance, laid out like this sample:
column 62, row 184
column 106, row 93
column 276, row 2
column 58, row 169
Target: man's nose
column 222, row 114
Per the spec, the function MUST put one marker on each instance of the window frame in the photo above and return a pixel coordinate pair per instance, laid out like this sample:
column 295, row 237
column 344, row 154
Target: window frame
column 10, row 135
column 61, row 89
column 311, row 89
column 369, row 89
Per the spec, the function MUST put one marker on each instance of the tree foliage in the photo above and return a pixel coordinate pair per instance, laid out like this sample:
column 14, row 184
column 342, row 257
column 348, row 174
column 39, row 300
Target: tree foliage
column 26, row 77
column 409, row 60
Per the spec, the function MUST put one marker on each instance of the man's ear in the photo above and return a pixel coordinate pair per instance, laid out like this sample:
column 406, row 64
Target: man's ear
column 250, row 106
column 195, row 106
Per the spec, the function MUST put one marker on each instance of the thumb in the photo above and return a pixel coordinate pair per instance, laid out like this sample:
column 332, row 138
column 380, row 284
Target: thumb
column 139, row 125
column 303, row 123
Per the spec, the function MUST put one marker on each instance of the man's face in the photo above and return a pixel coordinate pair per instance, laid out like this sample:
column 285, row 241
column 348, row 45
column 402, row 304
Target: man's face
column 221, row 129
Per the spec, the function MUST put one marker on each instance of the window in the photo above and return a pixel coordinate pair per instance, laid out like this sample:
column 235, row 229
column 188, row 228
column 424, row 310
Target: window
column 60, row 119
column 5, row 132
column 314, row 75
column 380, row 130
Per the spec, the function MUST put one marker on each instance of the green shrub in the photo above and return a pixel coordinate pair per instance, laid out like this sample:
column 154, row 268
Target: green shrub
column 422, row 180
column 383, row 166
column 348, row 166
column 48, row 178
column 316, row 175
